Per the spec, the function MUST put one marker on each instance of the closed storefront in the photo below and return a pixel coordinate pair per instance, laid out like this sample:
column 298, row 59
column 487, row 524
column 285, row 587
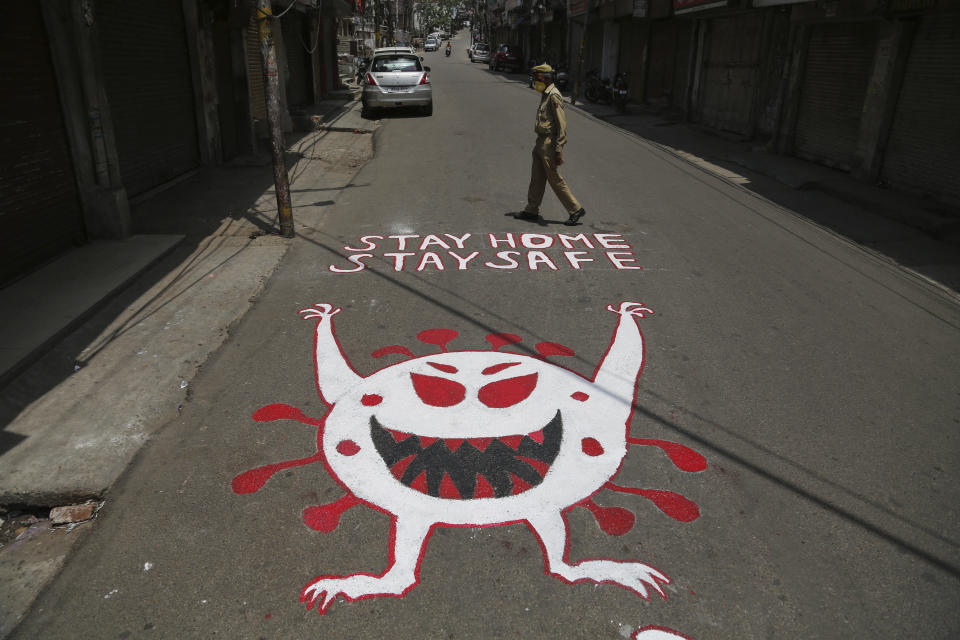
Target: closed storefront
column 669, row 62
column 255, row 83
column 39, row 206
column 593, row 48
column 838, row 66
column 924, row 143
column 296, row 39
column 555, row 32
column 731, row 72
column 149, row 86
column 633, row 42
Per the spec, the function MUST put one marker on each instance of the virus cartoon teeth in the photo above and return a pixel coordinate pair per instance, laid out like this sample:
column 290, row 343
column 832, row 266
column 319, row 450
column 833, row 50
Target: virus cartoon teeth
column 477, row 438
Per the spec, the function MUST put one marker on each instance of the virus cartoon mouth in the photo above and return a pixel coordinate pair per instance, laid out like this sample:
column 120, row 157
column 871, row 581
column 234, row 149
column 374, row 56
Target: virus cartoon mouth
column 467, row 468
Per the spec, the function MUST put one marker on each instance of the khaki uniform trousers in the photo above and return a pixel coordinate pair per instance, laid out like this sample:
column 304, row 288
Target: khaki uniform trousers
column 544, row 170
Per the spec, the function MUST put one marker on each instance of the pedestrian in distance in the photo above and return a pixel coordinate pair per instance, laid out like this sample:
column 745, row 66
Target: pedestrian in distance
column 551, row 131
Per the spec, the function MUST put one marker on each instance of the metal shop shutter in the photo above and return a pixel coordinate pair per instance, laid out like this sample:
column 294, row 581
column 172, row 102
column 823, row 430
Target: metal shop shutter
column 633, row 39
column 150, row 90
column 731, row 73
column 39, row 208
column 258, row 92
column 839, row 62
column 923, row 150
column 296, row 39
column 669, row 52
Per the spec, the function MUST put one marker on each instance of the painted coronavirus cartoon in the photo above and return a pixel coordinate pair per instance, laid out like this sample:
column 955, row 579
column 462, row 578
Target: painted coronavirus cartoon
column 477, row 438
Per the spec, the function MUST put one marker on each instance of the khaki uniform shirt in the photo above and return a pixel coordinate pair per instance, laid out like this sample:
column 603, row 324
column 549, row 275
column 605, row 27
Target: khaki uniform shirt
column 551, row 123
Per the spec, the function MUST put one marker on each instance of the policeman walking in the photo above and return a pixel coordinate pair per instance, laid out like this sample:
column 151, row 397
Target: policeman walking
column 548, row 151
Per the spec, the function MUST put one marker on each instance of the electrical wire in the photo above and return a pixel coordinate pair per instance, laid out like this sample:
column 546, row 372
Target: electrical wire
column 277, row 16
column 316, row 39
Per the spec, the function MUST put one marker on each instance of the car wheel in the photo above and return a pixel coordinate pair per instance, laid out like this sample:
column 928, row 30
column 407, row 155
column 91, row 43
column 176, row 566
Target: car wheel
column 428, row 110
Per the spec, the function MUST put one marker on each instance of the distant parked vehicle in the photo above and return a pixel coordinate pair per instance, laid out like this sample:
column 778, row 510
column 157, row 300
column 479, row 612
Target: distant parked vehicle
column 597, row 89
column 481, row 52
column 431, row 45
column 397, row 80
column 507, row 56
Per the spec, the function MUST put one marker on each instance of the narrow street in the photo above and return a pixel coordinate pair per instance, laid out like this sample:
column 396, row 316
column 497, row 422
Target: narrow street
column 817, row 381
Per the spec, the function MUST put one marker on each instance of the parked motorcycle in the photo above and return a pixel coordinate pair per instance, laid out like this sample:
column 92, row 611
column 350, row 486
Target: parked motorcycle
column 362, row 69
column 621, row 92
column 597, row 89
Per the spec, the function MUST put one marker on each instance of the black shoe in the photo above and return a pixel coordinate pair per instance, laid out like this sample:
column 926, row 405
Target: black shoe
column 576, row 215
column 527, row 215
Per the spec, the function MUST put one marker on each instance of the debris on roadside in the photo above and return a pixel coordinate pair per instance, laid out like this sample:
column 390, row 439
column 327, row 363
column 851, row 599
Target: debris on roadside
column 72, row 514
column 16, row 523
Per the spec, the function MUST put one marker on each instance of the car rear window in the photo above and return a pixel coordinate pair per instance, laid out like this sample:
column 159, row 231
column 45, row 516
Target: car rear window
column 480, row 47
column 397, row 63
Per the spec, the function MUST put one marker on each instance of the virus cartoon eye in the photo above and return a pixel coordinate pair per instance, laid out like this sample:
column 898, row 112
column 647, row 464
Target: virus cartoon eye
column 438, row 392
column 497, row 368
column 506, row 393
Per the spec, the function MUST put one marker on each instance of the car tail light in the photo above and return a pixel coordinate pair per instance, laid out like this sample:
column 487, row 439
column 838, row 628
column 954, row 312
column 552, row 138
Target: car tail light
column 424, row 80
column 370, row 80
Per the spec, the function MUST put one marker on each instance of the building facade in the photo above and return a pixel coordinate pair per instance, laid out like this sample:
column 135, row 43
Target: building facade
column 868, row 87
column 107, row 100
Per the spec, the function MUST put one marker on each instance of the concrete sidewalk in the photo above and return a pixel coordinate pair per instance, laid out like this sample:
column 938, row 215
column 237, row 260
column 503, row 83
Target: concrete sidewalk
column 919, row 234
column 121, row 353
column 70, row 429
column 82, row 278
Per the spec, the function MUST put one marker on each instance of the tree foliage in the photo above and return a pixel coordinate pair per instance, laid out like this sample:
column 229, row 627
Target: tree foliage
column 436, row 14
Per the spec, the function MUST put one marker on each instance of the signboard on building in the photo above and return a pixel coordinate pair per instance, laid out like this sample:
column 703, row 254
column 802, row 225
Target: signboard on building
column 910, row 5
column 773, row 3
column 640, row 8
column 578, row 7
column 686, row 6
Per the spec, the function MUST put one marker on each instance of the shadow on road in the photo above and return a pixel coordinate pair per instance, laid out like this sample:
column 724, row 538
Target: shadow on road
column 540, row 222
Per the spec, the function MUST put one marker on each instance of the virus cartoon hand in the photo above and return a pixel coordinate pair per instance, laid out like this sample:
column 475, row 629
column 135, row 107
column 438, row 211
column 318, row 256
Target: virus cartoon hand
column 319, row 310
column 631, row 309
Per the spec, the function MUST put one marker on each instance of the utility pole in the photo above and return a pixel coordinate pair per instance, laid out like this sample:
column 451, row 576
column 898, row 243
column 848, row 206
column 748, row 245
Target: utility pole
column 268, row 52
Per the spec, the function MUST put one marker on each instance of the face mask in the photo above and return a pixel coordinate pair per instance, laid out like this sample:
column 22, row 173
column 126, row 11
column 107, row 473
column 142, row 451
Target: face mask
column 540, row 86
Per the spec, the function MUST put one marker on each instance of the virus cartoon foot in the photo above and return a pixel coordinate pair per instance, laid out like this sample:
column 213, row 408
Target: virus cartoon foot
column 323, row 591
column 409, row 536
column 635, row 576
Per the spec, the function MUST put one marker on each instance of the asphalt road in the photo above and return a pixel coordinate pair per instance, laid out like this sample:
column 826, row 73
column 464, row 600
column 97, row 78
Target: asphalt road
column 819, row 383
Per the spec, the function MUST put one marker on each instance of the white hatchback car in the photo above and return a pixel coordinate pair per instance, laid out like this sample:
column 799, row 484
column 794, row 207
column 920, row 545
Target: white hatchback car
column 377, row 52
column 397, row 80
